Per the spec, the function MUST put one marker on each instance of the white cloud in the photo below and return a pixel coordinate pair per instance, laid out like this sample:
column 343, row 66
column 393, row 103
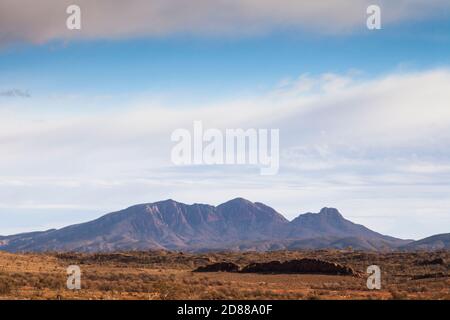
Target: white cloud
column 426, row 168
column 347, row 142
column 45, row 21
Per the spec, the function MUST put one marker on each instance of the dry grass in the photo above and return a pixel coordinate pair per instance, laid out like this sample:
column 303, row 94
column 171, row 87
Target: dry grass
column 167, row 275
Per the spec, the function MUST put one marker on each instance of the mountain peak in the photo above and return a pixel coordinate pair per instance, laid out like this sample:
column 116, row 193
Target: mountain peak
column 325, row 213
column 242, row 211
column 167, row 203
column 330, row 212
column 239, row 201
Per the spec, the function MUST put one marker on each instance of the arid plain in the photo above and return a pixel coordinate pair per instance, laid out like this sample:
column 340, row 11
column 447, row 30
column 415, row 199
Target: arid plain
column 169, row 275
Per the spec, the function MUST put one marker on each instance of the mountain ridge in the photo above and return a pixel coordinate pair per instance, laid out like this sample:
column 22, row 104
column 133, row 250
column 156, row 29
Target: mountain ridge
column 237, row 224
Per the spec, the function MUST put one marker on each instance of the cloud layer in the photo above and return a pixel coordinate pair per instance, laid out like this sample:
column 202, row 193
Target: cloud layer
column 372, row 147
column 15, row 93
column 110, row 19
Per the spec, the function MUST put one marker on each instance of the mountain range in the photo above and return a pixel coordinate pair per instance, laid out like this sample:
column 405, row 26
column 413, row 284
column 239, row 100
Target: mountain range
column 238, row 224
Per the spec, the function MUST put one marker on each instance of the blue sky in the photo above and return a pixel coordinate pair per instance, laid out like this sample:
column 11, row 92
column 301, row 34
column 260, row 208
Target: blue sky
column 363, row 114
column 219, row 66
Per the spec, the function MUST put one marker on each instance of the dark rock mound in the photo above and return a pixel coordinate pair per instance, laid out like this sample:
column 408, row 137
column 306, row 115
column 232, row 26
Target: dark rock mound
column 431, row 262
column 219, row 267
column 430, row 276
column 299, row 266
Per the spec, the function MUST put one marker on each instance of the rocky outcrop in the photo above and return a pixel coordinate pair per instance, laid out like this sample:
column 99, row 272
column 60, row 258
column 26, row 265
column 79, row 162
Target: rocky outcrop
column 219, row 267
column 430, row 276
column 310, row 266
column 305, row 266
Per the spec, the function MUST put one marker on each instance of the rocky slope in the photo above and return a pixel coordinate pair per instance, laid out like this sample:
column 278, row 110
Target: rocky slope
column 237, row 224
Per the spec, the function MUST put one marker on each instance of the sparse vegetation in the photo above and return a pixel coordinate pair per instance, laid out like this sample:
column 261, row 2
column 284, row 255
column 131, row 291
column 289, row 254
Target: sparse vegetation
column 168, row 275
